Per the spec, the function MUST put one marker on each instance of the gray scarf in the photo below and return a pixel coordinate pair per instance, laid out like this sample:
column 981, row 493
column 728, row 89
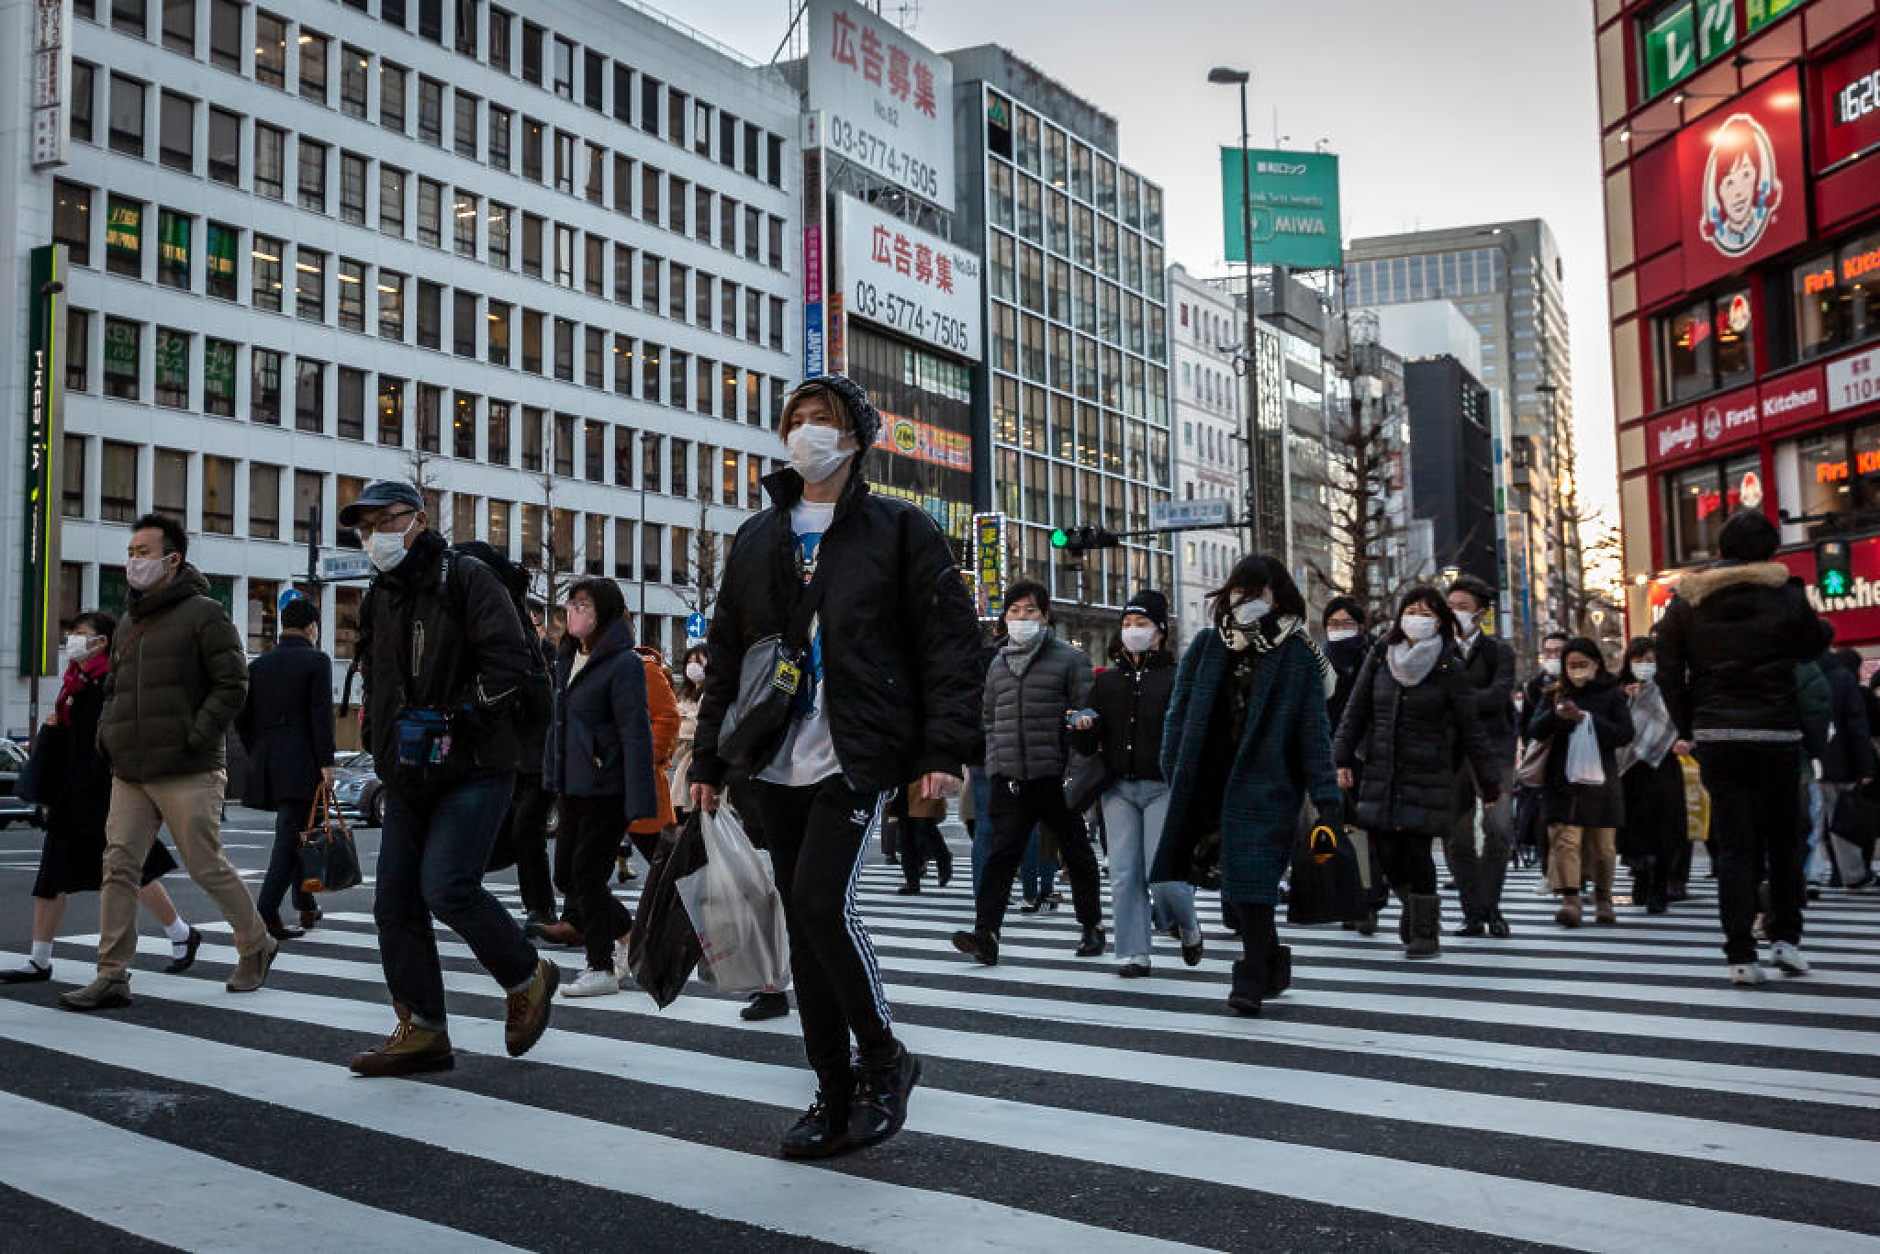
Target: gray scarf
column 1412, row 661
column 1653, row 731
column 1019, row 657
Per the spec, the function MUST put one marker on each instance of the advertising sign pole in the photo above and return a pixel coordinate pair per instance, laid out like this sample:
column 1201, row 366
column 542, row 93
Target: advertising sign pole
column 45, row 408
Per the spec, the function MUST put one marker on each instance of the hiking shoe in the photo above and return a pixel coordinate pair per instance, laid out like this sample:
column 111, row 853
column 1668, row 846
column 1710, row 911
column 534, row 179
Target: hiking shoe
column 592, row 983
column 252, row 971
column 766, row 1006
column 1603, row 911
column 179, row 965
column 529, row 1007
column 1747, row 973
column 409, row 1050
column 1091, row 946
column 881, row 1089
column 107, row 992
column 31, row 973
column 1788, row 957
column 823, row 1130
column 1569, row 913
column 981, row 946
column 1134, row 970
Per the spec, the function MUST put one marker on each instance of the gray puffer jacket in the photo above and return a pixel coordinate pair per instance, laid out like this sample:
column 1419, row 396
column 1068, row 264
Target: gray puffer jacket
column 1027, row 697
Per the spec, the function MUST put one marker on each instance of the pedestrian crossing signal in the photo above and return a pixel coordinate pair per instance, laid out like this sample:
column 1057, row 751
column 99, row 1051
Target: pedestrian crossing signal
column 1834, row 571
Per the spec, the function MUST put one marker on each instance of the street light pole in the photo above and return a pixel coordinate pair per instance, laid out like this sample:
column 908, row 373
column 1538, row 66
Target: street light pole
column 1255, row 504
column 639, row 559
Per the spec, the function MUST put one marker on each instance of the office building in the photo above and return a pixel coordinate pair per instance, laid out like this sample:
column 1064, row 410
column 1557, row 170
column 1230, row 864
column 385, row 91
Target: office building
column 1454, row 478
column 1208, row 403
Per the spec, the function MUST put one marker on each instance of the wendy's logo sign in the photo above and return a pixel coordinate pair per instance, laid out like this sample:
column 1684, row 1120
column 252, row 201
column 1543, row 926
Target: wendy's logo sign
column 1741, row 191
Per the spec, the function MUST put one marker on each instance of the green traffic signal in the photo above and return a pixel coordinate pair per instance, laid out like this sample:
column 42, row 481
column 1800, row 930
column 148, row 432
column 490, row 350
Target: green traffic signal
column 1834, row 584
column 1060, row 538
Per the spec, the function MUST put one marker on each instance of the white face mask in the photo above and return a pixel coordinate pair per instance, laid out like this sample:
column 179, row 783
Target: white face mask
column 1139, row 639
column 1465, row 621
column 1643, row 671
column 1248, row 613
column 386, row 549
column 79, row 647
column 1023, row 630
column 1337, row 634
column 1550, row 666
column 814, row 453
column 695, row 671
column 1417, row 627
column 145, row 573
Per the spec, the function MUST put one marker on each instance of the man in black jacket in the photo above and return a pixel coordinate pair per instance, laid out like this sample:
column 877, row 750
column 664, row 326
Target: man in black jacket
column 886, row 695
column 286, row 725
column 1847, row 764
column 1488, row 661
column 443, row 654
column 1728, row 647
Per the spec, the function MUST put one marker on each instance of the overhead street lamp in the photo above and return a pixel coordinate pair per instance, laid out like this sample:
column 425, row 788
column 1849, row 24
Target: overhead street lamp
column 1223, row 75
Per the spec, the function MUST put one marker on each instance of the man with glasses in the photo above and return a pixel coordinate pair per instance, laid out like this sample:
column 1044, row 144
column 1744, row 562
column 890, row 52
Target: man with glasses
column 443, row 653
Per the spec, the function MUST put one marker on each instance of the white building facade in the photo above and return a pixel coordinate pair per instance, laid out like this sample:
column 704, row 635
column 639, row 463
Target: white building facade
column 1207, row 406
column 537, row 257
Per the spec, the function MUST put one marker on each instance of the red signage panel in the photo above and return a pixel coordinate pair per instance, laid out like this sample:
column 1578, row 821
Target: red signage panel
column 1847, row 102
column 1672, row 437
column 1741, row 182
column 1728, row 419
column 1856, row 616
column 1792, row 398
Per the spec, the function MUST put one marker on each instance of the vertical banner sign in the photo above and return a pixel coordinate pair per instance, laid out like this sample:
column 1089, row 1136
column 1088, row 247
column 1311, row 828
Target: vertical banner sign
column 1295, row 208
column 989, row 563
column 45, row 423
column 887, row 101
column 815, row 277
column 51, row 137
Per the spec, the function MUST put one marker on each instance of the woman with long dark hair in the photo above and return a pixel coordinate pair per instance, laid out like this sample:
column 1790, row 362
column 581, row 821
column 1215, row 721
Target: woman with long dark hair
column 1246, row 741
column 1652, row 780
column 1411, row 710
column 1584, row 799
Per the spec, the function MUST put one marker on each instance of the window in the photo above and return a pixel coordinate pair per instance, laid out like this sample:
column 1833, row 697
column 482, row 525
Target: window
column 311, row 175
column 313, row 50
column 676, row 293
column 391, row 412
column 71, row 220
column 564, row 444
column 596, row 188
column 564, row 68
column 702, row 214
column 702, row 299
column 501, row 48
column 309, row 395
column 649, row 552
column 532, row 422
column 751, row 135
column 496, row 423
column 270, row 50
column 430, row 314
column 594, row 372
column 623, row 365
column 623, row 273
column 264, row 386
column 1835, row 299
column 391, row 305
column 391, row 200
column 225, row 34
column 753, row 230
column 776, row 242
column 678, row 377
column 500, row 216
column 676, row 199
column 221, row 247
column 124, row 237
column 498, row 319
column 623, row 93
column 225, row 147
column 431, row 111
column 72, row 498
column 309, row 489
column 84, row 91
column 564, row 162
column 1701, row 497
column 176, row 132
column 430, row 418
column 391, row 96
column 650, row 179
column 351, row 403
column 649, row 371
column 352, row 188
column 465, row 214
column 264, row 501
column 127, row 115
column 564, row 255
column 1705, row 346
column 463, row 323
column 649, row 104
column 703, row 376
column 172, row 349
column 776, row 323
column 532, row 228
column 219, row 378
column 77, row 350
column 117, row 489
column 430, row 212
column 650, row 268
column 310, row 285
column 270, row 161
column 354, row 66
column 500, row 122
column 173, row 249
column 463, row 132
column 170, row 483
column 532, row 341
column 463, row 426
column 564, row 350
column 594, row 265
column 773, row 168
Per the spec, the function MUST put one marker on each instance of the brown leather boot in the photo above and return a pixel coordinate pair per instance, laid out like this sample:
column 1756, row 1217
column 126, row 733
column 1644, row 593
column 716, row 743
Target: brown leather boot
column 529, row 1008
column 1569, row 913
column 1603, row 911
column 409, row 1050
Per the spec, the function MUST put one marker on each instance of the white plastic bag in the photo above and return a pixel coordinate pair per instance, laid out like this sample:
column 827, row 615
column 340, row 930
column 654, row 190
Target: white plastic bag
column 1583, row 764
column 736, row 910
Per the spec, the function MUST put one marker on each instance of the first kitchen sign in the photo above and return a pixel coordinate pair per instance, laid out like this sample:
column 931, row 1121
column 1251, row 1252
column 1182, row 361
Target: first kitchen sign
column 887, row 101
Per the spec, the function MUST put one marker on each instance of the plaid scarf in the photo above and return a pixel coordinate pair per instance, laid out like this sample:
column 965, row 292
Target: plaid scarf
column 1269, row 634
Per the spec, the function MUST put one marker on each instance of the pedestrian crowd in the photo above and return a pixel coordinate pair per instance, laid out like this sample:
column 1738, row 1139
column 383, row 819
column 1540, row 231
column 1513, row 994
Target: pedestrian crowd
column 846, row 684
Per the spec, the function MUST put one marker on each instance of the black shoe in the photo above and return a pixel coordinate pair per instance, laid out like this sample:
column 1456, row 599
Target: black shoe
column 1367, row 926
column 1657, row 905
column 1191, row 954
column 1814, row 892
column 1249, row 984
column 281, row 932
column 1092, row 944
column 1278, row 971
column 31, row 973
column 1472, row 928
column 946, row 870
column 982, row 946
column 1498, row 926
column 1133, row 970
column 309, row 919
column 881, row 1092
column 179, row 965
column 823, row 1130
column 908, row 890
column 766, row 1006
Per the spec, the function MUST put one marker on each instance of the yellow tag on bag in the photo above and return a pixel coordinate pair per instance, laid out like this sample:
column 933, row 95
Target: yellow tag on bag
column 789, row 677
column 1331, row 846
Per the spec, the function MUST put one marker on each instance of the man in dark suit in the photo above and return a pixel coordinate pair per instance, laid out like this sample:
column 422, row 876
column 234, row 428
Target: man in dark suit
column 287, row 728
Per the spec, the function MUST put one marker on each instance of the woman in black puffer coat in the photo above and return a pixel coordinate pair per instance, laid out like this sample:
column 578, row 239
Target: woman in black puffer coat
column 1583, row 815
column 1411, row 723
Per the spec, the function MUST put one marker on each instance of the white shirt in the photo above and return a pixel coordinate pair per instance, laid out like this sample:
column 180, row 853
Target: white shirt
column 808, row 755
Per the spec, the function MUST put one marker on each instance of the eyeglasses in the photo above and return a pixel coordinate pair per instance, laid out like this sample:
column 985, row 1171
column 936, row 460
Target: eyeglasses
column 365, row 529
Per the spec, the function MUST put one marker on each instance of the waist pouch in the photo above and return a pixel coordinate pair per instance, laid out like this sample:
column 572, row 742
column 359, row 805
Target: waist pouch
column 423, row 738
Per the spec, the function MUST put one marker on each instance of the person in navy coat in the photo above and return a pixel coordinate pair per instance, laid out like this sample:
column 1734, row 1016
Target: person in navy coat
column 287, row 728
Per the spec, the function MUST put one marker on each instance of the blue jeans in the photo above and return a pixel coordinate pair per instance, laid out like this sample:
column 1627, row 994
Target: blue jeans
column 432, row 852
column 1133, row 812
column 1036, row 872
column 981, row 784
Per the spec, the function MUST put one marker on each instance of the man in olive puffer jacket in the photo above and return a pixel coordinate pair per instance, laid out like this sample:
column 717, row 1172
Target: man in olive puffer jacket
column 176, row 684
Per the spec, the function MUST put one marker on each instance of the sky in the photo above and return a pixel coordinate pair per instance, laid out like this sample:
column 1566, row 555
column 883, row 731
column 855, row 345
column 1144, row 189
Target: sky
column 1443, row 113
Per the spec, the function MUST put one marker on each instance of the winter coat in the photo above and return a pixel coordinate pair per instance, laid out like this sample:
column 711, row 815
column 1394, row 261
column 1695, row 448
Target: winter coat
column 286, row 725
column 899, row 636
column 1585, row 805
column 178, row 675
column 1727, row 649
column 1283, row 755
column 74, row 778
column 681, row 787
column 1347, row 659
column 600, row 742
column 465, row 647
column 1131, row 704
column 1490, row 668
column 535, row 706
column 1814, row 706
column 662, row 710
column 1849, row 757
column 1025, row 706
column 1413, row 742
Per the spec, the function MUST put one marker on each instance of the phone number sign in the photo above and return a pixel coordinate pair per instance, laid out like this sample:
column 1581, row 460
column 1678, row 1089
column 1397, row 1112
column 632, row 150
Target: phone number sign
column 889, row 100
column 909, row 281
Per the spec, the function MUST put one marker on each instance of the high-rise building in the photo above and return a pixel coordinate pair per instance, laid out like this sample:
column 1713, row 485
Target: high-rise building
column 1072, row 395
column 1506, row 278
column 534, row 256
column 1742, row 178
column 1208, row 400
column 1454, row 479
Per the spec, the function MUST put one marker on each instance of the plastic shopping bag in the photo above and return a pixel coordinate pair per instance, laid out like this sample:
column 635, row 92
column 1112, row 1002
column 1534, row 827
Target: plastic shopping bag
column 737, row 912
column 663, row 949
column 1583, row 764
column 1696, row 800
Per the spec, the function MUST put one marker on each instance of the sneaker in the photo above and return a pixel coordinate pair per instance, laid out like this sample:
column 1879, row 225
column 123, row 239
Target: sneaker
column 881, row 1090
column 592, row 983
column 107, row 992
column 1788, row 957
column 766, row 1006
column 1747, row 973
column 252, row 971
column 31, row 973
column 981, row 946
column 1135, row 969
column 823, row 1130
column 409, row 1050
column 529, row 1007
column 188, row 959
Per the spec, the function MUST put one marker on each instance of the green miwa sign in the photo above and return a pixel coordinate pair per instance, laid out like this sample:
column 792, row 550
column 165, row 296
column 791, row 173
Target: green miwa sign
column 1294, row 197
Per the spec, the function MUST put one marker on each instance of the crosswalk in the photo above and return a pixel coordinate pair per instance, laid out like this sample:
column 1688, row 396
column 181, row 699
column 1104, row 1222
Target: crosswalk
column 1602, row 1090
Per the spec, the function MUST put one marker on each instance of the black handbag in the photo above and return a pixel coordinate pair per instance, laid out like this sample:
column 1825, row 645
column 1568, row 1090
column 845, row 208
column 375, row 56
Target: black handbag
column 329, row 861
column 1086, row 782
column 1326, row 885
column 1856, row 819
column 772, row 673
column 37, row 780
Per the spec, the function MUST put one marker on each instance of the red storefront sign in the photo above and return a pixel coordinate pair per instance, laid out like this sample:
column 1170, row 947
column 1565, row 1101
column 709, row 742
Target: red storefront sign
column 1793, row 398
column 1847, row 102
column 1742, row 183
column 1728, row 419
column 1856, row 616
column 1672, row 437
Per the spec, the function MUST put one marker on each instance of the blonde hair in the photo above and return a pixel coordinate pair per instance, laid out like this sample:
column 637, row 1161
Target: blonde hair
column 816, row 387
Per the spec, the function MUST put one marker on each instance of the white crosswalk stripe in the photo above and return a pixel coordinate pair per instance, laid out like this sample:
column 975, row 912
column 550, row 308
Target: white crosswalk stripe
column 1604, row 1089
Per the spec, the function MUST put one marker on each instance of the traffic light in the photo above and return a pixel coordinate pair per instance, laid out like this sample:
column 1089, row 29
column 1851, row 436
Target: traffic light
column 1834, row 568
column 1077, row 540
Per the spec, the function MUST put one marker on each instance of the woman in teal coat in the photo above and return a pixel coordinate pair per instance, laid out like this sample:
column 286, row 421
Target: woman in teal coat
column 1245, row 743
